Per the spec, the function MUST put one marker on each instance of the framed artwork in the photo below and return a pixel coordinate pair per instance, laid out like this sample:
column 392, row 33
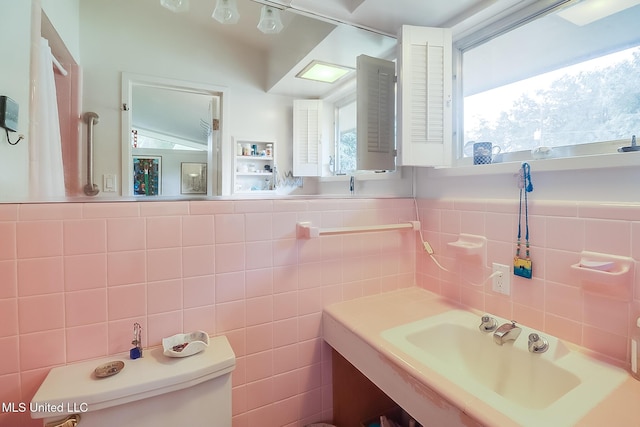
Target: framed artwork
column 193, row 178
column 147, row 174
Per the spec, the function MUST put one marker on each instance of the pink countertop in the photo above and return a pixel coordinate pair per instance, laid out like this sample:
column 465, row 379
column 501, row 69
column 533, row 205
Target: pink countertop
column 365, row 318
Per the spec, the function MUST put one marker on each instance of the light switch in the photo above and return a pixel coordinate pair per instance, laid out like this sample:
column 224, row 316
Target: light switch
column 109, row 183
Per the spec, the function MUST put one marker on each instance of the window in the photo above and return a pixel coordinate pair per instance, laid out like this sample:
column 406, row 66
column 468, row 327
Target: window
column 561, row 80
column 346, row 136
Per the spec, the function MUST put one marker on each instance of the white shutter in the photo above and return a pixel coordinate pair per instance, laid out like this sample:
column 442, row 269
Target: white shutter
column 307, row 136
column 424, row 97
column 376, row 113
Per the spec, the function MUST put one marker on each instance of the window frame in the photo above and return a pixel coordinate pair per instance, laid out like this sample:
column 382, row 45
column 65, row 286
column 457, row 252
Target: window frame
column 583, row 156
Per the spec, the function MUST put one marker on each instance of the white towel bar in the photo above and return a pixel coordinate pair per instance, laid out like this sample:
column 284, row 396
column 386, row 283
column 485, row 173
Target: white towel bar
column 307, row 231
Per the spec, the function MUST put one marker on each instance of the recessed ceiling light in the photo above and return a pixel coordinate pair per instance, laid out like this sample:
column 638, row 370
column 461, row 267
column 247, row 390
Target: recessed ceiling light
column 587, row 11
column 323, row 72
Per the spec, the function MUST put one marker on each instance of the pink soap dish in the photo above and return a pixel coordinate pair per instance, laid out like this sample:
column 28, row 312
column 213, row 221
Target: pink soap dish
column 183, row 345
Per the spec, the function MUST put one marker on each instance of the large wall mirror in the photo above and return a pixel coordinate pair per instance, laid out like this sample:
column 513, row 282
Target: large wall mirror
column 139, row 60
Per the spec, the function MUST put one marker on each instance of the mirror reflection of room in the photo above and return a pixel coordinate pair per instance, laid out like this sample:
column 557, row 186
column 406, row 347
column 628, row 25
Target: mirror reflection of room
column 99, row 41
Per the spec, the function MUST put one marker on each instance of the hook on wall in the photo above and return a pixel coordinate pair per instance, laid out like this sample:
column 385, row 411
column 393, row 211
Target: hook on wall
column 20, row 138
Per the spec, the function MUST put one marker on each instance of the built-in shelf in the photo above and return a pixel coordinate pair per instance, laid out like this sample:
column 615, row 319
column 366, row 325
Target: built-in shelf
column 605, row 274
column 250, row 161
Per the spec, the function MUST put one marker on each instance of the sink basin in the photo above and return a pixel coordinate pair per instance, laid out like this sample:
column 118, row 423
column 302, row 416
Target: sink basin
column 554, row 388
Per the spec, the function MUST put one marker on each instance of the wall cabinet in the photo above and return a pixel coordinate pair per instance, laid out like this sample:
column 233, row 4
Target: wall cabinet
column 254, row 167
column 425, row 117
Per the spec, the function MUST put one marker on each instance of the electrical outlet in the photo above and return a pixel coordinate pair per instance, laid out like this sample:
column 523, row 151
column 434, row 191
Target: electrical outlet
column 502, row 282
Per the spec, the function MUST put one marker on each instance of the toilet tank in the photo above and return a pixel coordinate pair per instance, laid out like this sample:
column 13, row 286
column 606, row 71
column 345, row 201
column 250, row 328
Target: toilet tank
column 154, row 390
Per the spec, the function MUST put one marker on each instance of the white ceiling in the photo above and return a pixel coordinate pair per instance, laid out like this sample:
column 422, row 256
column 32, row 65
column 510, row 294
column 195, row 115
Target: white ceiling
column 312, row 31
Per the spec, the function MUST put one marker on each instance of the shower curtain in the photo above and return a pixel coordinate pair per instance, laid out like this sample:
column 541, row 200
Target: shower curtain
column 46, row 173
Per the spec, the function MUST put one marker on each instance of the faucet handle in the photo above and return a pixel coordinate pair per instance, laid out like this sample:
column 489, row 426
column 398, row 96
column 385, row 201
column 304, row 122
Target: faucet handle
column 537, row 344
column 488, row 324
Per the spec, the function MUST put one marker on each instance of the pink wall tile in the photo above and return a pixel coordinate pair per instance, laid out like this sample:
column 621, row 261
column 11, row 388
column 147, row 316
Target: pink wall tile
column 285, row 252
column 259, row 338
column 229, row 228
column 230, row 287
column 126, row 301
column 9, row 212
column 8, row 278
column 285, row 359
column 564, row 301
column 7, row 240
column 211, row 207
column 38, row 276
column 11, row 362
column 284, row 225
column 86, row 342
column 259, row 310
column 258, row 226
column 200, row 319
column 259, row 282
column 162, row 326
column 285, row 305
column 110, row 210
column 164, row 264
column 258, row 395
column 259, row 255
column 126, row 234
column 85, row 237
column 607, row 236
column 230, row 316
column 31, row 351
column 49, row 211
column 310, row 275
column 164, row 296
column 9, row 310
column 198, row 291
column 164, row 232
column 198, row 230
column 230, row 257
column 85, row 272
column 198, row 261
column 85, row 307
column 39, row 239
column 125, row 268
column 259, row 366
column 164, row 208
column 253, row 206
column 565, row 233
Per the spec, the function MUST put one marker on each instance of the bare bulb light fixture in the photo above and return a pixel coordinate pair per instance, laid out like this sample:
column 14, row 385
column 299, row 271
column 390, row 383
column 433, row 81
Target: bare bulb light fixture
column 176, row 5
column 226, row 12
column 270, row 22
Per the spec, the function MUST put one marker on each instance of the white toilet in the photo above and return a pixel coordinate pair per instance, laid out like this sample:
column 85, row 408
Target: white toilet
column 154, row 390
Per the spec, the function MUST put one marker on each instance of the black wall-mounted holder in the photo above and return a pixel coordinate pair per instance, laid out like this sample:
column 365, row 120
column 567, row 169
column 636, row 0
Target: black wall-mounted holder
column 9, row 117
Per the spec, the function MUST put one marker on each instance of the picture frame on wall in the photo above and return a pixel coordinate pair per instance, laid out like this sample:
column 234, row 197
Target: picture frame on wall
column 147, row 175
column 193, row 178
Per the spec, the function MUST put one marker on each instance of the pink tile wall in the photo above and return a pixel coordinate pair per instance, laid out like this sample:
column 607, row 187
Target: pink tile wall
column 554, row 300
column 75, row 277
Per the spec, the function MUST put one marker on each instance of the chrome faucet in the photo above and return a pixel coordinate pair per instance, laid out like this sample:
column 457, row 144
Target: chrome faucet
column 537, row 344
column 506, row 332
column 488, row 324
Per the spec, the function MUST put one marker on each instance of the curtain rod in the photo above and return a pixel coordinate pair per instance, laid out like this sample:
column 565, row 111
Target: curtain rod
column 58, row 65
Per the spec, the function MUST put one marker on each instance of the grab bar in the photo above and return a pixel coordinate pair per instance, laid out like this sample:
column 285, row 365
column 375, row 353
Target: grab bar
column 307, row 231
column 91, row 119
